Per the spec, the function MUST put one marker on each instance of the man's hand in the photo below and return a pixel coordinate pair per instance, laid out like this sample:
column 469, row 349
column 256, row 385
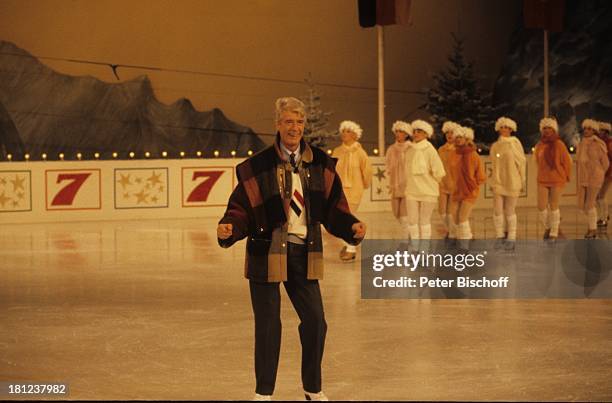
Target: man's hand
column 359, row 230
column 224, row 231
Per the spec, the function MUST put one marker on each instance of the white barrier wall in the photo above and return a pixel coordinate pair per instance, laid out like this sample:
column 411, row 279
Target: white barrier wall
column 114, row 190
column 152, row 189
column 528, row 197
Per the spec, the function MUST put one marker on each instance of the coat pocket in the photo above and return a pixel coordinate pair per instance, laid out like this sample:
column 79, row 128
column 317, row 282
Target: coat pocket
column 258, row 246
column 257, row 258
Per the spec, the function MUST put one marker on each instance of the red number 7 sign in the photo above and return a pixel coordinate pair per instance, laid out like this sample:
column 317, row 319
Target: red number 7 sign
column 206, row 186
column 70, row 190
column 200, row 192
column 66, row 195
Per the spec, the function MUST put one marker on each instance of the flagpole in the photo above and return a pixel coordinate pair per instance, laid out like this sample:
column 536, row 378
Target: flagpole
column 381, row 90
column 546, row 94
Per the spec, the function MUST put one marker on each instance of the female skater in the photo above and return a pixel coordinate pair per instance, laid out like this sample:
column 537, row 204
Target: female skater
column 554, row 169
column 591, row 166
column 424, row 170
column 355, row 172
column 447, row 182
column 507, row 178
column 602, row 203
column 469, row 175
column 395, row 163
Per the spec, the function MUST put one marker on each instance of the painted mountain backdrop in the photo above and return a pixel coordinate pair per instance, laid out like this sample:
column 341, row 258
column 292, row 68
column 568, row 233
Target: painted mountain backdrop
column 580, row 72
column 42, row 111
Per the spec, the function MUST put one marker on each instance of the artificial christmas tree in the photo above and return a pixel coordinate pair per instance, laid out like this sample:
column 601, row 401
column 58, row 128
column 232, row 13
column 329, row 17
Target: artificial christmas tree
column 455, row 96
column 316, row 132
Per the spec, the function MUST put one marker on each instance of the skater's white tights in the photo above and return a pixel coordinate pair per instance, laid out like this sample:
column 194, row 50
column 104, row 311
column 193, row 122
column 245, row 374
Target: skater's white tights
column 504, row 205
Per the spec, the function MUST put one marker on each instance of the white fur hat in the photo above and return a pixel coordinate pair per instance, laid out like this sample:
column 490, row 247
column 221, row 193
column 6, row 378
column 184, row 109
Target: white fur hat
column 590, row 123
column 402, row 127
column 469, row 133
column 351, row 126
column 605, row 126
column 505, row 122
column 465, row 132
column 422, row 125
column 549, row 122
column 449, row 126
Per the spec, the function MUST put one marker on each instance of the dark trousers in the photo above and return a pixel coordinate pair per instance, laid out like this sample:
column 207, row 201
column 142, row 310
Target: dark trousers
column 305, row 296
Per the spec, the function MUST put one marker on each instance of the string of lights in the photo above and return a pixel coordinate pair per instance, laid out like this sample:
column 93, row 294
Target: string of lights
column 98, row 154
column 79, row 156
column 62, row 156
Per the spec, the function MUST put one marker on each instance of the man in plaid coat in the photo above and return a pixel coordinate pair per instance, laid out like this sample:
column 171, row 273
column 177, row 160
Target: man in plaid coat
column 284, row 194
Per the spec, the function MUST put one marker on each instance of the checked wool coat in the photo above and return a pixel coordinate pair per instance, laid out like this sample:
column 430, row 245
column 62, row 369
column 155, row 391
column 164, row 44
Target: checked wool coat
column 259, row 204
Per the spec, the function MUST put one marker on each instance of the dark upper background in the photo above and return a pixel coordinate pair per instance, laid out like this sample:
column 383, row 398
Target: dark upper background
column 279, row 40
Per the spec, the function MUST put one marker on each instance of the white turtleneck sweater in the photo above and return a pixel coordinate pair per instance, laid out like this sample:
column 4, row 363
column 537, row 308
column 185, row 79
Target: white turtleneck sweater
column 424, row 171
column 508, row 166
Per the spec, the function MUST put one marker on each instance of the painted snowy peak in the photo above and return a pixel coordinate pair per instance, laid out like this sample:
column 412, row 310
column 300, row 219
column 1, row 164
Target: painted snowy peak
column 55, row 113
column 580, row 62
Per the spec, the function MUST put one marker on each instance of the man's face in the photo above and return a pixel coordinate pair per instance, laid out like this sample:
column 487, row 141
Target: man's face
column 290, row 126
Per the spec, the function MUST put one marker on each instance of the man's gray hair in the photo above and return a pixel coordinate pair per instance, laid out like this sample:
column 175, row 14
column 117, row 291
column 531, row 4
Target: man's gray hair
column 289, row 104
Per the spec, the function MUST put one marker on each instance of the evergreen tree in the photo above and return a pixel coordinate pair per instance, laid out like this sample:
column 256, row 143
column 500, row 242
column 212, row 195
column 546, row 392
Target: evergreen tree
column 455, row 96
column 316, row 132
